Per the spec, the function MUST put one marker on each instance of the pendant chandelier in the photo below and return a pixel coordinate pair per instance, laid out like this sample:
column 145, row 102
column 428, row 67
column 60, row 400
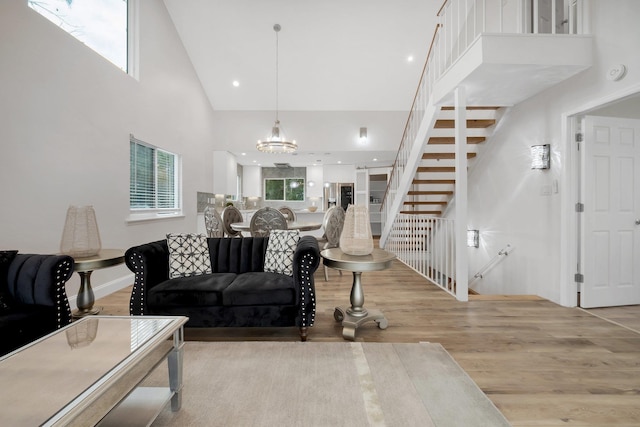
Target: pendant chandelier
column 276, row 142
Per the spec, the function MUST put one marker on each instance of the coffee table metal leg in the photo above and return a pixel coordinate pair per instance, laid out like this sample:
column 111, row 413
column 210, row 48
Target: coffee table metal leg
column 175, row 369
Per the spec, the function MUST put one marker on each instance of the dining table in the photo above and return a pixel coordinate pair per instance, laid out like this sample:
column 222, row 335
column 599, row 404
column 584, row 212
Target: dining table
column 292, row 225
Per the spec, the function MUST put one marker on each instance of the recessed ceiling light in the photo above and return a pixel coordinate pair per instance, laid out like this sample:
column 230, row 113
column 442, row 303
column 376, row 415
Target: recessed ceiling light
column 339, row 161
column 375, row 160
column 235, row 83
column 243, row 154
column 410, row 58
column 255, row 161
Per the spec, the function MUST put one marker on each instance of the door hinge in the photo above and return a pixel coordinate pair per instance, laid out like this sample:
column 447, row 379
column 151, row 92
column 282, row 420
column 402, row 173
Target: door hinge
column 579, row 207
column 579, row 137
column 578, row 278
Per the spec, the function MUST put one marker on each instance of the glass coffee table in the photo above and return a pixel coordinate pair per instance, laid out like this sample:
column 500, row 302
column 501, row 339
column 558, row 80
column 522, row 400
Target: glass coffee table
column 88, row 373
column 356, row 315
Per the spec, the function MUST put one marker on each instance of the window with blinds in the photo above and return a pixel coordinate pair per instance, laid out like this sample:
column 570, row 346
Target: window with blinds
column 154, row 183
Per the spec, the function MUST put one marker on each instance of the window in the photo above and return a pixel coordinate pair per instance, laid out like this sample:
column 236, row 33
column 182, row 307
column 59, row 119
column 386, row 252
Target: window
column 154, row 183
column 284, row 189
column 102, row 25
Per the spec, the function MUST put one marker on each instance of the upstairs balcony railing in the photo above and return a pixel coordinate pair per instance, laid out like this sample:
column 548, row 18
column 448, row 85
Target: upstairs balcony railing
column 460, row 23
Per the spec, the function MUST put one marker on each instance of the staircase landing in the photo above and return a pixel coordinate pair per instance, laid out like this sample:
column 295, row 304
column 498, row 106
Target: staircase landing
column 505, row 69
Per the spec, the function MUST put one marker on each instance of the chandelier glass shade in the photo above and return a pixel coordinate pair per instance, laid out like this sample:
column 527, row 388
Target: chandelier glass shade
column 276, row 142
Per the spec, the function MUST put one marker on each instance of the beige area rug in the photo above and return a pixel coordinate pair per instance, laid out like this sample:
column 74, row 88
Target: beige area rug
column 325, row 384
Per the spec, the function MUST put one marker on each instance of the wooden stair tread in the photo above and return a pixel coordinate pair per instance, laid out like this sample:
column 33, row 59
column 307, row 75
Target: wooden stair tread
column 429, row 156
column 433, row 181
column 471, row 123
column 452, row 140
column 421, row 212
column 428, row 193
column 422, row 169
column 422, row 202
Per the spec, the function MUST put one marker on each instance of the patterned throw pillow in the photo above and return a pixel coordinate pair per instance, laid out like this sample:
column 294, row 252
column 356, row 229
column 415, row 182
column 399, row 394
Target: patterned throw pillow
column 279, row 256
column 188, row 255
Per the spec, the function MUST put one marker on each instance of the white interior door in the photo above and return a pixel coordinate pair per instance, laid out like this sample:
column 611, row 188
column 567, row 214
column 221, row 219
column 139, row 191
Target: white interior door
column 611, row 196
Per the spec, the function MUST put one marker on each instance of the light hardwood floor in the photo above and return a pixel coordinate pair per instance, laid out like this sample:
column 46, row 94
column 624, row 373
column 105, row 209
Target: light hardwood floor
column 540, row 363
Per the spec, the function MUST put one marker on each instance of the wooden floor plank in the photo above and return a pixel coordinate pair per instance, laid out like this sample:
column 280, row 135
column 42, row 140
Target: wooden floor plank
column 540, row 363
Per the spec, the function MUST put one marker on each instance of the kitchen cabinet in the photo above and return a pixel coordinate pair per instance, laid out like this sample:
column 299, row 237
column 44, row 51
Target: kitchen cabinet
column 225, row 173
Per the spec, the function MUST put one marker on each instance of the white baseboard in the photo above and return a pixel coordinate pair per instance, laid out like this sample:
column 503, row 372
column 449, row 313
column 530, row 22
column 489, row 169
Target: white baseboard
column 106, row 288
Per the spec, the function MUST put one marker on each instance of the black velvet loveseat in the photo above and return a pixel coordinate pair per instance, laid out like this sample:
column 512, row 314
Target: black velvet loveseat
column 33, row 299
column 238, row 292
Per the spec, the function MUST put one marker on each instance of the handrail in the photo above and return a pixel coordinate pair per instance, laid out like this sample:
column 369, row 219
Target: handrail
column 415, row 97
column 442, row 7
column 492, row 263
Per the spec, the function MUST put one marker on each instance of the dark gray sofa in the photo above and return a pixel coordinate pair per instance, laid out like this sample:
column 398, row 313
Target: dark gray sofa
column 33, row 298
column 237, row 294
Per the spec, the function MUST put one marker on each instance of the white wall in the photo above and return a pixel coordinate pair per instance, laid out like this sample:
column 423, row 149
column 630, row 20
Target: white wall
column 505, row 200
column 319, row 131
column 339, row 173
column 66, row 118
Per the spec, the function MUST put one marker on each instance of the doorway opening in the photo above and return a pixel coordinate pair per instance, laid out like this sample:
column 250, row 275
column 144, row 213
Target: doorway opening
column 601, row 260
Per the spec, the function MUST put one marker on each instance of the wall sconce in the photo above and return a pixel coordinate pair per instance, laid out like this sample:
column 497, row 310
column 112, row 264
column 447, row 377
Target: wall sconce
column 540, row 156
column 473, row 238
column 363, row 135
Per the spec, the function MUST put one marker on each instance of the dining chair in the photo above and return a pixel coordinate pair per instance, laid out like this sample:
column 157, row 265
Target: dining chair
column 213, row 222
column 288, row 213
column 332, row 223
column 231, row 214
column 267, row 219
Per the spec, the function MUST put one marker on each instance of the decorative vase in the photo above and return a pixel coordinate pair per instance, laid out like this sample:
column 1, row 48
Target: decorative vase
column 80, row 237
column 356, row 238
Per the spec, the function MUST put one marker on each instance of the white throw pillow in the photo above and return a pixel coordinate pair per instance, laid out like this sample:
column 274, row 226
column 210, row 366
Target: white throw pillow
column 188, row 255
column 279, row 256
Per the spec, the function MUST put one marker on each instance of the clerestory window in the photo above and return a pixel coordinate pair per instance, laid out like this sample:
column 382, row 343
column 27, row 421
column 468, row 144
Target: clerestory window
column 102, row 25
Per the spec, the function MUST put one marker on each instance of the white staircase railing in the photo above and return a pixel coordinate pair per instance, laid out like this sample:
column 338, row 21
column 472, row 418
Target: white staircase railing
column 461, row 23
column 426, row 244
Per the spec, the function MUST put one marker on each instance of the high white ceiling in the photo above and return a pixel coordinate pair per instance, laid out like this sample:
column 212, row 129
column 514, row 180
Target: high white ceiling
column 334, row 55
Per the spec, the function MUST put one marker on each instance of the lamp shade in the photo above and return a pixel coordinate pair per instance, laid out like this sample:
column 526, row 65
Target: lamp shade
column 80, row 237
column 356, row 238
column 81, row 334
